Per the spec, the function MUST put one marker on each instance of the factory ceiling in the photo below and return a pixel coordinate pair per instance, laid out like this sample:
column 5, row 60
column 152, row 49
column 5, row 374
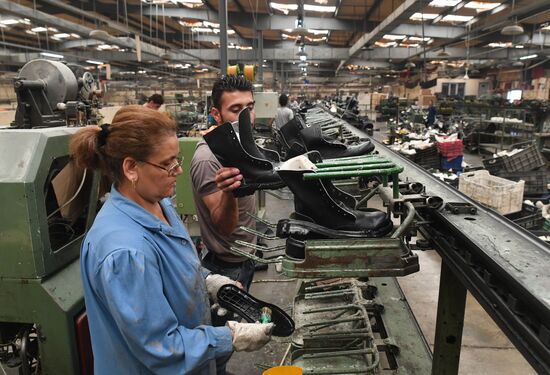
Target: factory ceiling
column 333, row 37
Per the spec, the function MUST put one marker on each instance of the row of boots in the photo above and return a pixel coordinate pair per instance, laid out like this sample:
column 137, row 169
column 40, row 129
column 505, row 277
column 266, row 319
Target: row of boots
column 316, row 201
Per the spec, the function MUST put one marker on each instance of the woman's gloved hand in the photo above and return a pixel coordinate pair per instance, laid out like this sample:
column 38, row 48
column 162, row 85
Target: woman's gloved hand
column 214, row 282
column 249, row 336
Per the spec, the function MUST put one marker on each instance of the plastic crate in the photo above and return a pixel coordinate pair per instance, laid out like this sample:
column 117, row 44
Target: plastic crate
column 530, row 217
column 451, row 149
column 535, row 181
column 502, row 195
column 454, row 164
column 527, row 159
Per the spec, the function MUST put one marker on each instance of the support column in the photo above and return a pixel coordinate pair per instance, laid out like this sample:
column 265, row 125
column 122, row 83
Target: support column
column 222, row 15
column 275, row 76
column 260, row 78
column 450, row 321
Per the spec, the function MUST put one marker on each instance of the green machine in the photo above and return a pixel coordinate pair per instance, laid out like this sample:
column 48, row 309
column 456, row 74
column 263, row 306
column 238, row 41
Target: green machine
column 48, row 205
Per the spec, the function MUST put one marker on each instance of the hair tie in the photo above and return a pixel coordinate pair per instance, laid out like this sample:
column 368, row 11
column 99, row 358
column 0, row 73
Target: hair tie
column 102, row 135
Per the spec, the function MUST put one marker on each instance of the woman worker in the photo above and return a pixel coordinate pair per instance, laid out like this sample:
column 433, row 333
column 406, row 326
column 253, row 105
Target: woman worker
column 146, row 294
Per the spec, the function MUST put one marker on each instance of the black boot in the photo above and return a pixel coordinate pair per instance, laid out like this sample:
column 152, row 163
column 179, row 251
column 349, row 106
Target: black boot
column 329, row 149
column 313, row 202
column 289, row 137
column 249, row 144
column 258, row 173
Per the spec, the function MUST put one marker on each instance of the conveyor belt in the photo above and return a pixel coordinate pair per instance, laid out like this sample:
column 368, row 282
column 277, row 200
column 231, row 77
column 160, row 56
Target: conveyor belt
column 504, row 266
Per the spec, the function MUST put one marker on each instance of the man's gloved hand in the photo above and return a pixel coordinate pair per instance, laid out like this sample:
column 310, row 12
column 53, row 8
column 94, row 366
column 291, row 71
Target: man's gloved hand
column 214, row 282
column 249, row 336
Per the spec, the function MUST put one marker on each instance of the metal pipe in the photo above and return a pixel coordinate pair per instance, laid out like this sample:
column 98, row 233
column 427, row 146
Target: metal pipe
column 222, row 15
column 405, row 223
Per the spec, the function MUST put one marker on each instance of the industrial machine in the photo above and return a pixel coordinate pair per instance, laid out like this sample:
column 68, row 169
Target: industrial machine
column 51, row 93
column 48, row 205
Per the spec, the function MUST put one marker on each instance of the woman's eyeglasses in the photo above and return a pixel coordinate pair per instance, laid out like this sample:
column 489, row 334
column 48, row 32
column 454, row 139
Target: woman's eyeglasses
column 172, row 169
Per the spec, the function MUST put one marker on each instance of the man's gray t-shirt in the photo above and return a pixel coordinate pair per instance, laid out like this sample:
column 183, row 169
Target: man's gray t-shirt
column 284, row 115
column 204, row 166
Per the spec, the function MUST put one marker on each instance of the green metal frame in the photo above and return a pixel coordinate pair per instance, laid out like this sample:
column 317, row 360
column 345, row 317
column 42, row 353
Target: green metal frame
column 37, row 284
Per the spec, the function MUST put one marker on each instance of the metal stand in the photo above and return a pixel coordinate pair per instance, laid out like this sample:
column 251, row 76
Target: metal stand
column 450, row 321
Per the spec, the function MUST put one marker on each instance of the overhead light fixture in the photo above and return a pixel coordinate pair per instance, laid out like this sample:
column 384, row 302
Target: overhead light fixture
column 443, row 3
column 528, row 57
column 101, row 34
column 61, row 35
column 303, row 58
column 512, row 30
column 95, row 62
column 53, row 55
column 285, row 8
column 38, row 29
column 423, row 16
column 456, row 18
column 466, row 76
column 410, row 65
column 517, row 64
column 545, row 28
column 9, row 21
column 481, row 6
column 443, row 53
column 320, row 8
column 499, row 45
column 394, row 37
column 519, row 46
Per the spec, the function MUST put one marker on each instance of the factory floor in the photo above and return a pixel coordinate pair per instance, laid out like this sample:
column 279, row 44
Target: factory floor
column 485, row 348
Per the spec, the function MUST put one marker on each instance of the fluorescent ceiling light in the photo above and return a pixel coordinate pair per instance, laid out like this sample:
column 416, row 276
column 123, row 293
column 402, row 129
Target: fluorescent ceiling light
column 30, row 32
column 528, row 57
column 61, row 35
column 75, row 35
column 303, row 58
column 54, row 55
column 411, row 45
column 385, row 45
column 314, row 40
column 9, row 21
column 319, row 8
column 189, row 23
column 211, row 24
column 481, row 6
column 519, row 46
column 394, row 37
column 95, row 62
column 426, row 16
column 443, row 3
column 38, row 29
column 456, row 18
column 419, row 39
column 52, row 29
column 317, row 32
column 202, row 30
column 2, row 25
column 285, row 8
column 499, row 45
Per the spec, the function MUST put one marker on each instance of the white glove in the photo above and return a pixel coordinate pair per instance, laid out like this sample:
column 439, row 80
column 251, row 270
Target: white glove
column 249, row 336
column 218, row 310
column 214, row 282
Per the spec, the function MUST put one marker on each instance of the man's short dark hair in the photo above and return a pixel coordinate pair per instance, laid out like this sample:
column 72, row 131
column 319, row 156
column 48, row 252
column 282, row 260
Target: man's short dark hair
column 283, row 100
column 229, row 84
column 157, row 99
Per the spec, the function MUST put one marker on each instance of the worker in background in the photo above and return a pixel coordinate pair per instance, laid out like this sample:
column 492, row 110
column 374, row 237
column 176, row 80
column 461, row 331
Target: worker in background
column 284, row 114
column 147, row 297
column 220, row 214
column 432, row 112
column 155, row 101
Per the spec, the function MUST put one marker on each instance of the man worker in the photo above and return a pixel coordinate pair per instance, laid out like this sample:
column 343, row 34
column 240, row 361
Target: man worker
column 155, row 101
column 284, row 114
column 221, row 214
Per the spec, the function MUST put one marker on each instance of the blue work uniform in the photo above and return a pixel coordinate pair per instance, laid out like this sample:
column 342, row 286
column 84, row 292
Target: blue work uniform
column 146, row 296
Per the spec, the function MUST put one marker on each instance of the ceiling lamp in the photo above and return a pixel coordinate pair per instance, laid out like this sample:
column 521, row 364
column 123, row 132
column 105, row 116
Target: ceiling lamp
column 443, row 53
column 410, row 65
column 466, row 76
column 99, row 34
column 545, row 28
column 514, row 29
column 517, row 64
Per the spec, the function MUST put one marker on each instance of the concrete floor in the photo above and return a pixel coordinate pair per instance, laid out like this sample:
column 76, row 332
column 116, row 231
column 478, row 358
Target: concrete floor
column 485, row 348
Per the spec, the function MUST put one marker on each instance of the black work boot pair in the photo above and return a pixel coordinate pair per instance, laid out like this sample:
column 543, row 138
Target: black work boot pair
column 317, row 201
column 299, row 138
